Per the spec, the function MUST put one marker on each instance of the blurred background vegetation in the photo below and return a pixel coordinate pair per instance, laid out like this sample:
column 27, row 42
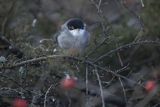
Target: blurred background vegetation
column 114, row 22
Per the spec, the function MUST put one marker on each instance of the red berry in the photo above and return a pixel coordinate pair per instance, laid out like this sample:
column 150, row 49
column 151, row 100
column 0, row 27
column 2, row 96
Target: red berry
column 68, row 83
column 20, row 103
column 150, row 85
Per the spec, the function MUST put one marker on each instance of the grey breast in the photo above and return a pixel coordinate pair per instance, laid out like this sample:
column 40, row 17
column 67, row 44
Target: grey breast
column 65, row 39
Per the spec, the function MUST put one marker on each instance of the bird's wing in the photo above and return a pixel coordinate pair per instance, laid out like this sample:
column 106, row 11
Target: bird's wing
column 65, row 40
column 86, row 40
column 55, row 37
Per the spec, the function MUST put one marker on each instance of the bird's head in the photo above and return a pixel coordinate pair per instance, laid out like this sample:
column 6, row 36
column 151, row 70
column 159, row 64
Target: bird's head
column 76, row 26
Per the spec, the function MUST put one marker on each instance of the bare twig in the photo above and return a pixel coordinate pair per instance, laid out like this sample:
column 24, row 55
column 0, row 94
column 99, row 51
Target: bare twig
column 120, row 59
column 122, row 69
column 99, row 5
column 11, row 79
column 9, row 13
column 104, row 24
column 33, row 61
column 97, row 47
column 45, row 98
column 124, row 92
column 100, row 86
column 103, row 20
column 126, row 46
column 142, row 3
column 10, row 89
column 133, row 13
column 86, row 79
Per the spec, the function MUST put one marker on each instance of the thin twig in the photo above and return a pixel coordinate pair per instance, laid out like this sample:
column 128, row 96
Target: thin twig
column 86, row 79
column 13, row 80
column 126, row 46
column 10, row 89
column 142, row 3
column 124, row 92
column 104, row 24
column 133, row 13
column 100, row 86
column 122, row 69
column 99, row 5
column 120, row 59
column 97, row 47
column 9, row 13
column 33, row 61
column 45, row 98
column 103, row 21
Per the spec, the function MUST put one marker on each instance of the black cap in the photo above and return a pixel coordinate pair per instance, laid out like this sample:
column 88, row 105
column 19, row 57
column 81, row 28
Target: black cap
column 75, row 23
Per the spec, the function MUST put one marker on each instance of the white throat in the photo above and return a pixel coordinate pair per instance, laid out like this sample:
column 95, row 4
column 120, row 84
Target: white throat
column 77, row 32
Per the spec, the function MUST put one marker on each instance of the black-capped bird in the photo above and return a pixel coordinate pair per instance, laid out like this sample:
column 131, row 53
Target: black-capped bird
column 73, row 36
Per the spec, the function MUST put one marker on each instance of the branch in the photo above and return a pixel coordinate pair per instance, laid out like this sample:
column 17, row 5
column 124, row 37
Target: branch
column 66, row 58
column 45, row 98
column 100, row 86
column 34, row 60
column 126, row 46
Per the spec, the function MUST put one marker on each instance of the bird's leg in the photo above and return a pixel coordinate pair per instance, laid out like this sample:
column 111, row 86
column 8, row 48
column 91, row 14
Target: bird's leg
column 73, row 52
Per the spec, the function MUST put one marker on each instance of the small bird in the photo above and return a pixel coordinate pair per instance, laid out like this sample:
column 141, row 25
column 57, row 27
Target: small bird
column 73, row 36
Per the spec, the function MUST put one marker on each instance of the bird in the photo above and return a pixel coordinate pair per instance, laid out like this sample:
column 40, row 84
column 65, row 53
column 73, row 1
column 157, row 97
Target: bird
column 73, row 36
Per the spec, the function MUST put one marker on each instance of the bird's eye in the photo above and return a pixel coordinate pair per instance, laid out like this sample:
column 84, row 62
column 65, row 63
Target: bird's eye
column 71, row 27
